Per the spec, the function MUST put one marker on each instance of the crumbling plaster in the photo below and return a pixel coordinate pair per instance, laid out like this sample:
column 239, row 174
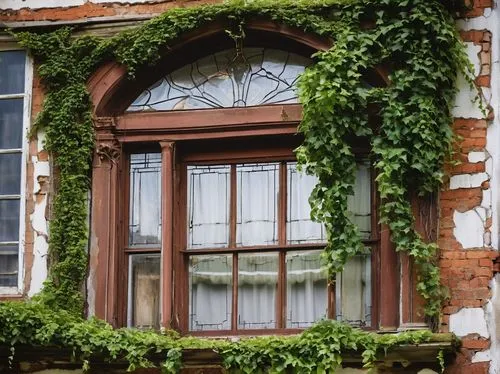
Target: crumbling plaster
column 38, row 4
column 470, row 226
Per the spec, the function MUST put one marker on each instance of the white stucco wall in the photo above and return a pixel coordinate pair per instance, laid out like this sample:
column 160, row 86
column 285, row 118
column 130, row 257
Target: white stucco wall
column 469, row 225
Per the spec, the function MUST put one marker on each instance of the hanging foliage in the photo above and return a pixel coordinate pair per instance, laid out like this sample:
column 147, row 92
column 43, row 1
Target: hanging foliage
column 417, row 39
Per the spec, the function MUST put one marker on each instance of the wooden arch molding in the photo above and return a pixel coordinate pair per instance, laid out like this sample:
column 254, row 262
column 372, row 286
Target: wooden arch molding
column 112, row 91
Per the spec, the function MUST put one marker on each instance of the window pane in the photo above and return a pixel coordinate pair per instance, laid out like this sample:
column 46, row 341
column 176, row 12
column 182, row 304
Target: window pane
column 12, row 72
column 10, row 172
column 360, row 204
column 144, row 292
column 210, row 292
column 9, row 220
column 257, row 199
column 222, row 80
column 257, row 285
column 145, row 198
column 299, row 226
column 208, row 206
column 354, row 300
column 306, row 289
column 11, row 123
column 8, row 265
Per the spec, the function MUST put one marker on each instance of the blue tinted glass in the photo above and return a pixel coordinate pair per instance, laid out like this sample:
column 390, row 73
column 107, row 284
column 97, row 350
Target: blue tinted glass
column 12, row 72
column 10, row 174
column 9, row 220
column 11, row 123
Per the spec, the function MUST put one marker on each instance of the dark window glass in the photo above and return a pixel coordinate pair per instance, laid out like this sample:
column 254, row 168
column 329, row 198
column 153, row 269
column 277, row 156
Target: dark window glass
column 9, row 220
column 10, row 174
column 12, row 65
column 11, row 123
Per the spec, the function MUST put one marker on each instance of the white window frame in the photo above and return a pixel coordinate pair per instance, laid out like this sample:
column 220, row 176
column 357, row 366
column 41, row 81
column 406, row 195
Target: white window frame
column 27, row 96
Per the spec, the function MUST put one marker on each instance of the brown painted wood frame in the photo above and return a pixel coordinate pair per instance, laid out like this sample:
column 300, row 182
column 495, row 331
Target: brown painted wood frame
column 120, row 134
column 231, row 158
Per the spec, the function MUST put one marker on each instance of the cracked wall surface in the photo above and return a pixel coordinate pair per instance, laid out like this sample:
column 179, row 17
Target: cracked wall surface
column 468, row 234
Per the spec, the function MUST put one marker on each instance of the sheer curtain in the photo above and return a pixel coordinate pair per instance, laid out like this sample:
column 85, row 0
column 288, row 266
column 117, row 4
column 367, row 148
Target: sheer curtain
column 257, row 196
column 145, row 206
column 257, row 189
column 208, row 206
column 210, row 298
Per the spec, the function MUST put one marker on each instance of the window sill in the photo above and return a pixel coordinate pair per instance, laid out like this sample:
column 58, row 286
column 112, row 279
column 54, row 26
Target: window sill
column 401, row 358
column 10, row 293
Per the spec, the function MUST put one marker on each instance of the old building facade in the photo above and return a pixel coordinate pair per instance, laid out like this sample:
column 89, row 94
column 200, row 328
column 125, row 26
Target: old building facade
column 186, row 143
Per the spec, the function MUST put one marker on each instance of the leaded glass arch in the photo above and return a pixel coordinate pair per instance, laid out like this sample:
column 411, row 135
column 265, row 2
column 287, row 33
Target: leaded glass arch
column 255, row 76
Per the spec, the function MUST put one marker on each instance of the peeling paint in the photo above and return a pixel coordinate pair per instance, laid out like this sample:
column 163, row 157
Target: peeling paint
column 467, row 180
column 493, row 320
column 469, row 229
column 469, row 321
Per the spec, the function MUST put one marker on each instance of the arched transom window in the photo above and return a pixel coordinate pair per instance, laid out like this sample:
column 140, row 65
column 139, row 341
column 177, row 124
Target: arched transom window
column 254, row 76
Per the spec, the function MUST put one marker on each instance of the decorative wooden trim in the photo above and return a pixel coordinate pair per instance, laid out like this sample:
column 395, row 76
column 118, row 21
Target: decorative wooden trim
column 104, row 230
column 167, row 181
column 110, row 150
column 104, row 123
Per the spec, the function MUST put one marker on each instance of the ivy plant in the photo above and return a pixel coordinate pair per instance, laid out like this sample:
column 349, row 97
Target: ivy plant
column 415, row 40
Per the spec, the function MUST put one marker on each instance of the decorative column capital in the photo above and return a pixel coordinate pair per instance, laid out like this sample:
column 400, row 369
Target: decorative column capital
column 108, row 150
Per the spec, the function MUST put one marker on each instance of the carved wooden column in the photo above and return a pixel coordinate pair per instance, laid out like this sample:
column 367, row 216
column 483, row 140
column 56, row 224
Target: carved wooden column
column 167, row 178
column 103, row 275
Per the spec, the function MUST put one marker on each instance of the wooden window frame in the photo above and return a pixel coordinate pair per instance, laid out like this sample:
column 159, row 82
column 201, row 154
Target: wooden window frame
column 124, row 135
column 119, row 134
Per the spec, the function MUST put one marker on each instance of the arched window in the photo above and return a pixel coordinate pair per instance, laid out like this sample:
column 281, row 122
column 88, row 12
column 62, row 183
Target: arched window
column 210, row 230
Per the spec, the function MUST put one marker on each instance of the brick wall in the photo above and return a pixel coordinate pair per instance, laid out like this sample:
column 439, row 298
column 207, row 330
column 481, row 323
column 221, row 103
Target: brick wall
column 467, row 223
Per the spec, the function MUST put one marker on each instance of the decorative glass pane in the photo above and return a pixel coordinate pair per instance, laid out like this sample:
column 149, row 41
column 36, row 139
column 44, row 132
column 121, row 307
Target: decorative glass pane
column 208, row 206
column 145, row 199
column 10, row 172
column 353, row 290
column 9, row 220
column 300, row 228
column 210, row 292
column 307, row 297
column 257, row 199
column 257, row 77
column 257, row 285
column 11, row 123
column 8, row 265
column 144, row 291
column 12, row 65
column 360, row 204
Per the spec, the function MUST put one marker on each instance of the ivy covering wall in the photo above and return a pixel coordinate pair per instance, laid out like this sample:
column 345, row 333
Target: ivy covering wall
column 418, row 43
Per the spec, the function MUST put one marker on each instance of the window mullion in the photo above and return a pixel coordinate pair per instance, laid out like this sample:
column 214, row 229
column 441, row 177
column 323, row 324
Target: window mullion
column 233, row 212
column 167, row 180
column 282, row 207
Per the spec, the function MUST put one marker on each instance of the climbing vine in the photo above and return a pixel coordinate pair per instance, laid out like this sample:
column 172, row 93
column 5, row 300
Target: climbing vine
column 415, row 40
column 317, row 350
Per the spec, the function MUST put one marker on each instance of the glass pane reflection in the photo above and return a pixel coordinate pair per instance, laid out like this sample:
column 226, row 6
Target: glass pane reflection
column 353, row 290
column 307, row 296
column 257, row 285
column 210, row 292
